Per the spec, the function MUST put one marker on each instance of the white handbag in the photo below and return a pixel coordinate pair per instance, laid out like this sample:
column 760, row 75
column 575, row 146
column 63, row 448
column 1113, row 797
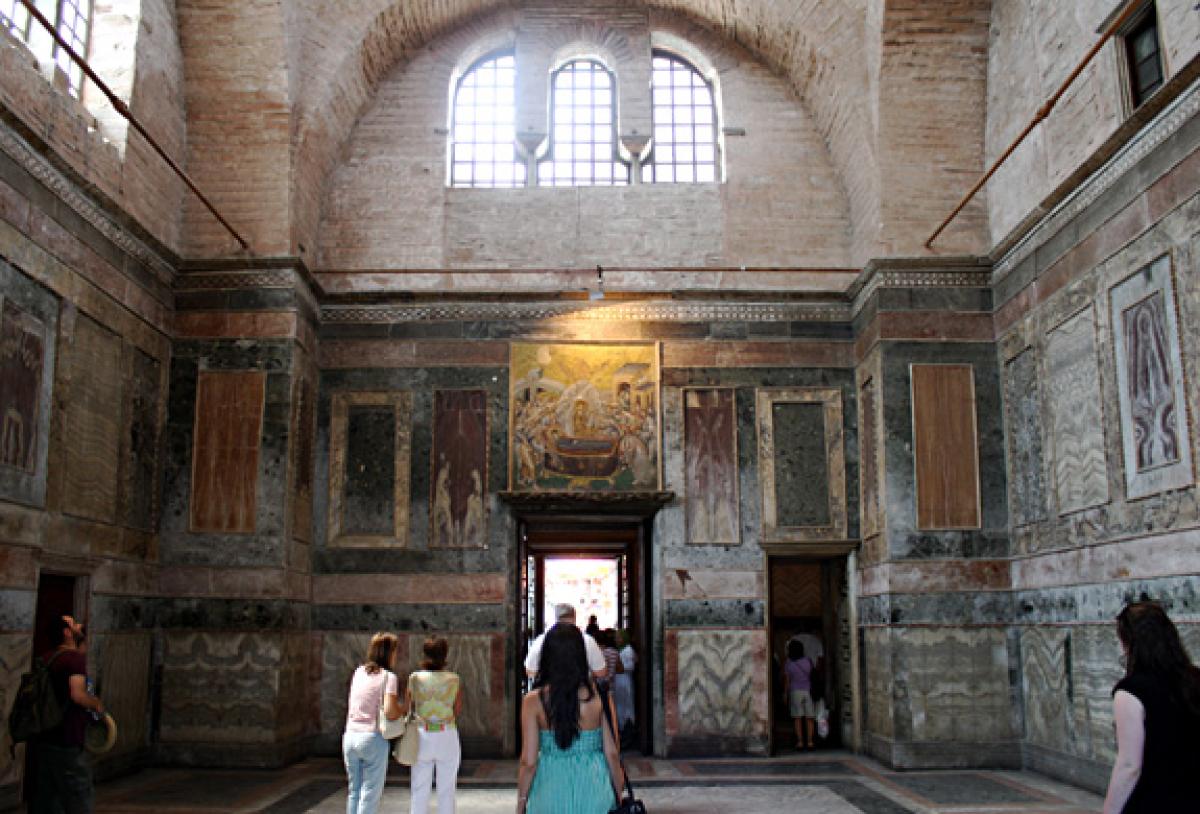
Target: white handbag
column 388, row 728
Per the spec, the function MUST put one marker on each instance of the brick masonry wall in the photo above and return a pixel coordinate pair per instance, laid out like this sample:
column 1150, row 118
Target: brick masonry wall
column 1033, row 47
column 388, row 205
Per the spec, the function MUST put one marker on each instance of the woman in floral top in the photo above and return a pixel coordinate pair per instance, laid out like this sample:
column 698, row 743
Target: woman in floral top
column 435, row 695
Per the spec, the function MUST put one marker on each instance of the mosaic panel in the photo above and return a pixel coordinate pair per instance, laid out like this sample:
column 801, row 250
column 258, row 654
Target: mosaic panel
column 457, row 504
column 801, row 464
column 1076, row 414
column 584, row 417
column 225, row 453
column 1023, row 417
column 710, row 466
column 945, row 447
column 92, row 422
column 370, row 448
column 1150, row 382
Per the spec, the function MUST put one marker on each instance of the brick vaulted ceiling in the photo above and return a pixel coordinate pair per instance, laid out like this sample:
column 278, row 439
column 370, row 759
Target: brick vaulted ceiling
column 317, row 64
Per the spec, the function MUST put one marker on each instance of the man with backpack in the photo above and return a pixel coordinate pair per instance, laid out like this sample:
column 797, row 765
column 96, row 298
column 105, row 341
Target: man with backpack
column 63, row 776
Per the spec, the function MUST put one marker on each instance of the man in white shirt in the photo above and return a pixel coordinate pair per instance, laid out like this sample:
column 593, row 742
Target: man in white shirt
column 565, row 614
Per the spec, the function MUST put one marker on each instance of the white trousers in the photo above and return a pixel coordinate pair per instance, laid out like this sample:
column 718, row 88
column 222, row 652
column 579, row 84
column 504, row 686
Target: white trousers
column 440, row 752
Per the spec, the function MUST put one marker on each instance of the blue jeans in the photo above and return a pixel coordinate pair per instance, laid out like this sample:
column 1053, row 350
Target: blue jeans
column 366, row 756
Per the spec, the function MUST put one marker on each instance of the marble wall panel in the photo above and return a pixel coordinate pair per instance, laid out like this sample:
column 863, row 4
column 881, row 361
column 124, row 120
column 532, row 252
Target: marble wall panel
column 1076, row 418
column 458, row 507
column 945, row 446
column 1150, row 382
column 710, row 466
column 370, row 452
column 14, row 660
column 123, row 681
column 293, row 687
column 304, row 425
column 341, row 654
column 28, row 348
column 717, row 693
column 471, row 657
column 92, row 421
column 870, row 422
column 877, row 652
column 955, row 683
column 1045, row 655
column 225, row 452
column 139, row 495
column 220, row 687
column 800, row 436
column 1023, row 428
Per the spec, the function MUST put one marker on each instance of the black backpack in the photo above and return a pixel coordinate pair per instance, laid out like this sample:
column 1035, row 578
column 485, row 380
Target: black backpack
column 36, row 708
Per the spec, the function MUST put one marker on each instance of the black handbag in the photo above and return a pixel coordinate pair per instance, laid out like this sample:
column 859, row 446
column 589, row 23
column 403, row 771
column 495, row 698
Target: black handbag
column 627, row 803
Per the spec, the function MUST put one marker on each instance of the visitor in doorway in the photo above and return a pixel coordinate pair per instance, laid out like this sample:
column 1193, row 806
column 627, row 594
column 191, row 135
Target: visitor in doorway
column 623, row 688
column 1156, row 707
column 797, row 678
column 364, row 749
column 593, row 627
column 814, row 648
column 435, row 694
column 607, row 639
column 569, row 758
column 63, row 775
column 564, row 614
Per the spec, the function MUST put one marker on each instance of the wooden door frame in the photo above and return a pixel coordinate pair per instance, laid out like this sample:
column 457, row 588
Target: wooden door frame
column 601, row 535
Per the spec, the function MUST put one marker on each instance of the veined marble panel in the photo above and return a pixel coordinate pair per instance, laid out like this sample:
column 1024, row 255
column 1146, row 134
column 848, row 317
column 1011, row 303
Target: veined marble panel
column 956, row 685
column 1150, row 382
column 226, row 445
column 342, row 653
column 140, row 448
column 1023, row 417
column 880, row 718
column 870, row 422
column 304, row 425
column 1072, row 376
column 471, row 657
column 711, row 465
column 220, row 687
column 123, row 680
column 370, row 511
column 716, row 682
column 293, row 686
column 14, row 660
column 1044, row 660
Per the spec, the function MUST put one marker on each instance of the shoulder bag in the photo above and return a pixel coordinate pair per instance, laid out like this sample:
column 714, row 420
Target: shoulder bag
column 627, row 803
column 408, row 744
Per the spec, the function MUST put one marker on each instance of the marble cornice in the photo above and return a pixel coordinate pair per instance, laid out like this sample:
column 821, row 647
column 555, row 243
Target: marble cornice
column 918, row 272
column 68, row 188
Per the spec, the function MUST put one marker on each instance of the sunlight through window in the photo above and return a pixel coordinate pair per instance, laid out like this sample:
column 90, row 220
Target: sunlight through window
column 483, row 142
column 685, row 124
column 583, row 145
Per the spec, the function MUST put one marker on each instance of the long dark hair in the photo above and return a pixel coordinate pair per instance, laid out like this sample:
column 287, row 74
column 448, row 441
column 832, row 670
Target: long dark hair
column 1153, row 646
column 563, row 670
column 435, row 648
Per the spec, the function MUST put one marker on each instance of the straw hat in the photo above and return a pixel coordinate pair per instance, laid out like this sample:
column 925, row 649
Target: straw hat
column 100, row 734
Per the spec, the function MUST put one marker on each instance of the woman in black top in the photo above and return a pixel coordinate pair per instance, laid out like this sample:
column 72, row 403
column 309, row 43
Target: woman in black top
column 1157, row 711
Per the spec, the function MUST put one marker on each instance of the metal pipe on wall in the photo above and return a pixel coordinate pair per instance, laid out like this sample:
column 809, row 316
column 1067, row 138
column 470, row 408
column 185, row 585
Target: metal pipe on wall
column 125, row 112
column 1132, row 8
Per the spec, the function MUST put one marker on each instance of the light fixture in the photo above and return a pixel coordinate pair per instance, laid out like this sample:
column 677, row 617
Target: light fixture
column 598, row 293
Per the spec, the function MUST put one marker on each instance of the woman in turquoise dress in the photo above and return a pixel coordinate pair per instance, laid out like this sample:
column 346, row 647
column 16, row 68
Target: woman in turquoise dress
column 569, row 760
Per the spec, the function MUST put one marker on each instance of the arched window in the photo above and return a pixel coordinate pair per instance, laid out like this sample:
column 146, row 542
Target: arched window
column 72, row 20
column 583, row 136
column 685, row 124
column 483, row 132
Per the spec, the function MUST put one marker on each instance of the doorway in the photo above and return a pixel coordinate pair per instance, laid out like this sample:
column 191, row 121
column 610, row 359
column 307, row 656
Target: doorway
column 806, row 603
column 598, row 566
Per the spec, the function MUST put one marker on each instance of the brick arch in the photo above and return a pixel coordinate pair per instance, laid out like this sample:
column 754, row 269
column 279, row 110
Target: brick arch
column 821, row 58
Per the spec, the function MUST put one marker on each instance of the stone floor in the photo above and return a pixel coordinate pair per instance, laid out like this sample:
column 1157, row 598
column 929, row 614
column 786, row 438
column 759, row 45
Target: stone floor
column 831, row 783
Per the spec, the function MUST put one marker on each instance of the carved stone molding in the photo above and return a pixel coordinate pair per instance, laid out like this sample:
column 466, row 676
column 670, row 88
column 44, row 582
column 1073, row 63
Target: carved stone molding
column 655, row 310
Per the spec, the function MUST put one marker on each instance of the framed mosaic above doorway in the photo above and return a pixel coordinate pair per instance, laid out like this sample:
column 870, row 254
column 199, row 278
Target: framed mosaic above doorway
column 584, row 417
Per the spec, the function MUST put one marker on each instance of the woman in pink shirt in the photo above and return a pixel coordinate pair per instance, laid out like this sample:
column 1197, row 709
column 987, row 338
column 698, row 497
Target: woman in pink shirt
column 797, row 676
column 365, row 751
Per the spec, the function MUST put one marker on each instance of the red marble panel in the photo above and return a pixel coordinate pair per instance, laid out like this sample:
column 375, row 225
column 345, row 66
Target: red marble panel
column 935, row 325
column 788, row 353
column 410, row 588
column 671, row 683
column 383, row 353
column 458, row 501
column 945, row 446
column 711, row 466
column 236, row 324
column 228, row 435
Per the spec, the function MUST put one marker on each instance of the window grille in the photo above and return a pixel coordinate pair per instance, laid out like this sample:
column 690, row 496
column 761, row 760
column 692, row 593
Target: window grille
column 583, row 136
column 72, row 19
column 685, row 124
column 483, row 132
